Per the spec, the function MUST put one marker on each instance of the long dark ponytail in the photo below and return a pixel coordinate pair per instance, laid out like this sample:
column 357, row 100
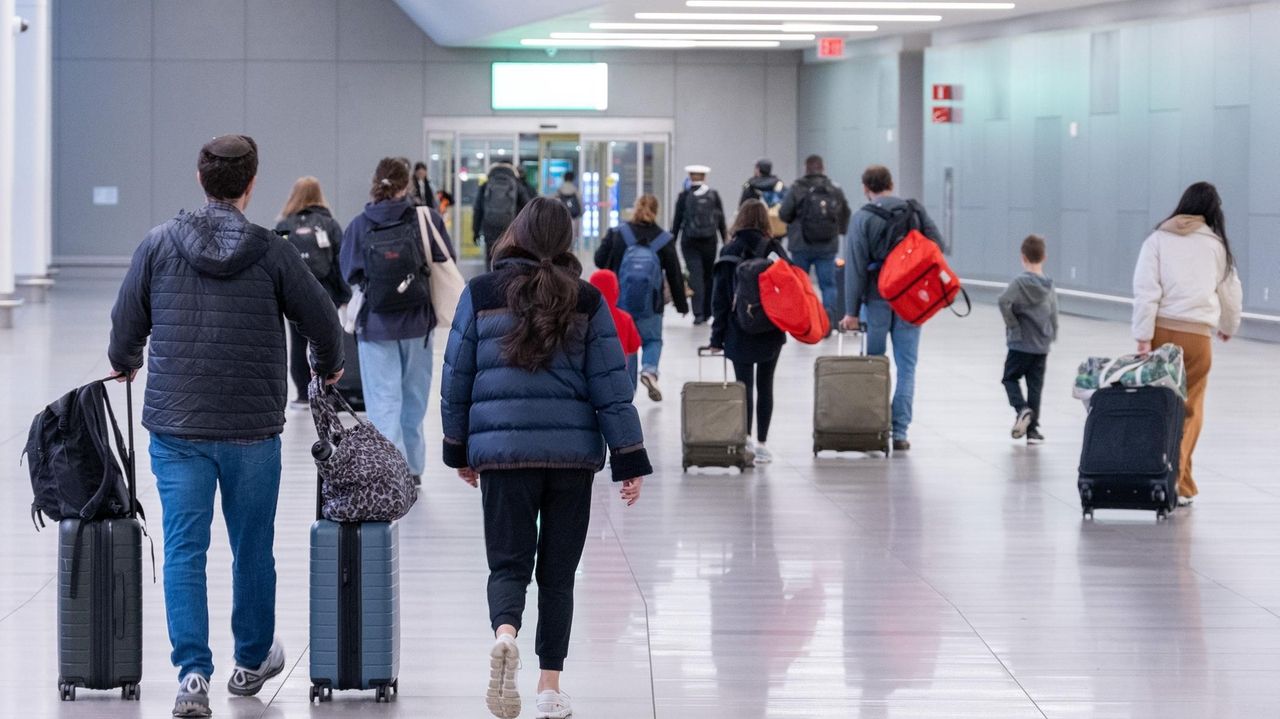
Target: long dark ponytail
column 1203, row 199
column 542, row 298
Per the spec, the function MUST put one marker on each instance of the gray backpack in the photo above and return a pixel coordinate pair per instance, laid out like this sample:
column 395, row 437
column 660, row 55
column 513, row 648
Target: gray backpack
column 363, row 477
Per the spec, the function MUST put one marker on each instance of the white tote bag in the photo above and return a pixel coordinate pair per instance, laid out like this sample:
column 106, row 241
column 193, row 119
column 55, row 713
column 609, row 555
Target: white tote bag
column 447, row 281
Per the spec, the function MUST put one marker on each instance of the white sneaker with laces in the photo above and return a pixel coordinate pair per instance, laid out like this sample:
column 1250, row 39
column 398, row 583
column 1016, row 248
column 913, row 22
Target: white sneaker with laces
column 554, row 705
column 246, row 682
column 193, row 697
column 503, row 697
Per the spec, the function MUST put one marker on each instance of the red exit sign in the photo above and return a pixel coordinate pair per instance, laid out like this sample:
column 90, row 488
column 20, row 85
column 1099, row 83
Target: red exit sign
column 943, row 92
column 830, row 47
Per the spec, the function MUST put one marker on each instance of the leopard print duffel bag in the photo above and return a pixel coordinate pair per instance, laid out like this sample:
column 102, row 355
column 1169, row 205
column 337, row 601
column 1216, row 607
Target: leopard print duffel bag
column 363, row 477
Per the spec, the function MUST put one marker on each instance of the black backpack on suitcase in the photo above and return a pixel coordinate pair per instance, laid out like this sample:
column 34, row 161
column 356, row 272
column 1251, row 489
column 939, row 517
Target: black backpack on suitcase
column 99, row 539
column 1132, row 450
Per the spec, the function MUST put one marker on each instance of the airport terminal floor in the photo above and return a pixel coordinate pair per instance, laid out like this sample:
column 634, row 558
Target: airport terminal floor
column 956, row 580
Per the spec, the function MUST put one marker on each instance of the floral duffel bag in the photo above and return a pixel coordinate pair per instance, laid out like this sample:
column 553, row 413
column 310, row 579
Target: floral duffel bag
column 1163, row 367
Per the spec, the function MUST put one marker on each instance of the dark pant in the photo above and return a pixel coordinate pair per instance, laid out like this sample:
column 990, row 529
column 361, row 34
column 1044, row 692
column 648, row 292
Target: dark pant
column 1020, row 365
column 700, row 258
column 299, row 366
column 758, row 377
column 516, row 504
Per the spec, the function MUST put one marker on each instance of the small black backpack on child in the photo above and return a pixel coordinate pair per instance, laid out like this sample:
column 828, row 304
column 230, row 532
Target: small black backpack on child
column 396, row 273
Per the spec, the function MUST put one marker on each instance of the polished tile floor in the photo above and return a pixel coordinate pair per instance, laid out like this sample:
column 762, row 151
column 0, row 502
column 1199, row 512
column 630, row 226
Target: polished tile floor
column 954, row 581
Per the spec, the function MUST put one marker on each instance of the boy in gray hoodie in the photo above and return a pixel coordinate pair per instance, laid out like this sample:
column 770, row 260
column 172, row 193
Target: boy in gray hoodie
column 1030, row 310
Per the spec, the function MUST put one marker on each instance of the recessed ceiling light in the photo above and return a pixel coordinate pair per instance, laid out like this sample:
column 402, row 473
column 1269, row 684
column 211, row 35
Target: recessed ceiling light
column 661, row 44
column 785, row 27
column 851, row 5
column 785, row 17
column 784, row 37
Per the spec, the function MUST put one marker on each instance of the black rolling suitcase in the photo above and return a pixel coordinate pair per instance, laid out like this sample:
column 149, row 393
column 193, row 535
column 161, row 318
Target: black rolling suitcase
column 1132, row 449
column 100, row 594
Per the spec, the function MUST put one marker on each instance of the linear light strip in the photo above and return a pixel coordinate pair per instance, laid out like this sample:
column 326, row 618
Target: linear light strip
column 850, row 5
column 730, row 27
column 663, row 44
column 785, row 17
column 783, row 37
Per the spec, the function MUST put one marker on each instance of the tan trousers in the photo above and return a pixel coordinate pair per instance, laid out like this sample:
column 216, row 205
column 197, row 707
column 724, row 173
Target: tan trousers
column 1197, row 353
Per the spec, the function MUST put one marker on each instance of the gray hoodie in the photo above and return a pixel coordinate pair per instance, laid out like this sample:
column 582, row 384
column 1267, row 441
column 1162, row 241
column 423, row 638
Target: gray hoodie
column 1030, row 309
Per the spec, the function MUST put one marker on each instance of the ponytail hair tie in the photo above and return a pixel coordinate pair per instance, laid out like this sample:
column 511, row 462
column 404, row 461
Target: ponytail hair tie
column 385, row 182
column 546, row 262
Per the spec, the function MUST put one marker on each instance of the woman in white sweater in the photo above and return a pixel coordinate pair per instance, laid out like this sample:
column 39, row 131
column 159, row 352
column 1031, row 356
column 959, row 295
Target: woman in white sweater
column 1185, row 289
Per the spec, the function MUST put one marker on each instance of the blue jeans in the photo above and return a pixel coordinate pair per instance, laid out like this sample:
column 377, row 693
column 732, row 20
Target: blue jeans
column 651, row 343
column 396, row 375
column 824, row 263
column 248, row 476
column 882, row 324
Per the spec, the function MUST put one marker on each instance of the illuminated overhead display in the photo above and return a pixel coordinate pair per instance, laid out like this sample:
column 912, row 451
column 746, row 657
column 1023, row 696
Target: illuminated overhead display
column 550, row 86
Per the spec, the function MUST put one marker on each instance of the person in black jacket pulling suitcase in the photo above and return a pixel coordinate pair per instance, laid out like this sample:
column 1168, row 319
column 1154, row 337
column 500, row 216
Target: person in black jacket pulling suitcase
column 308, row 223
column 209, row 289
column 535, row 387
column 753, row 350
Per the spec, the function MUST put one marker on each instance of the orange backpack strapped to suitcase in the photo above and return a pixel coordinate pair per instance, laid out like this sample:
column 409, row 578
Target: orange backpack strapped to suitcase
column 915, row 278
column 791, row 303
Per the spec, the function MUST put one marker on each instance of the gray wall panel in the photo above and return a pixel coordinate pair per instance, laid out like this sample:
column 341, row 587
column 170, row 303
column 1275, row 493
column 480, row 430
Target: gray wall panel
column 705, row 95
column 637, row 90
column 458, row 88
column 104, row 138
column 781, row 92
column 199, row 30
column 1231, row 59
column 294, row 141
column 378, row 31
column 382, row 116
column 181, row 127
column 292, row 30
column 103, row 29
column 1260, row 263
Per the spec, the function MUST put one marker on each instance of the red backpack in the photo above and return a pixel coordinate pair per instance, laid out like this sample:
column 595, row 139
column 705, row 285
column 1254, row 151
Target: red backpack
column 915, row 278
column 791, row 303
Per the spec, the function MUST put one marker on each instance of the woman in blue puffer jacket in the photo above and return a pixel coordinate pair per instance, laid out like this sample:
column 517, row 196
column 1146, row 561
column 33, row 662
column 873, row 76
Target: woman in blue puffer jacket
column 535, row 386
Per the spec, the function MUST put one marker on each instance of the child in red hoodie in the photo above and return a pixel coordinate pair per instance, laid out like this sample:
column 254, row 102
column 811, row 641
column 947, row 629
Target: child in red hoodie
column 607, row 282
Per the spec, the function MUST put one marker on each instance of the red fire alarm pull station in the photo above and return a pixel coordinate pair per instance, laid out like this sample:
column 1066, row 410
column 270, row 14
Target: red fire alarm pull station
column 943, row 92
column 942, row 115
column 830, row 47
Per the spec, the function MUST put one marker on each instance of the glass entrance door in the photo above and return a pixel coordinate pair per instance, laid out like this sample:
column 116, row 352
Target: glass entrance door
column 616, row 171
column 475, row 155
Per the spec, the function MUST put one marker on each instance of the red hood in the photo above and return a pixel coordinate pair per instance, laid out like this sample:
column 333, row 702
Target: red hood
column 607, row 282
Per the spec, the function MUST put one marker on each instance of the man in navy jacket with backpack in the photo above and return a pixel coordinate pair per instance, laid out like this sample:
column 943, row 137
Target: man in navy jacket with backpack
column 211, row 290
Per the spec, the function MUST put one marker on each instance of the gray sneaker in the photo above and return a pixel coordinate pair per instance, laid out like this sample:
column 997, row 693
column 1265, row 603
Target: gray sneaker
column 193, row 697
column 246, row 682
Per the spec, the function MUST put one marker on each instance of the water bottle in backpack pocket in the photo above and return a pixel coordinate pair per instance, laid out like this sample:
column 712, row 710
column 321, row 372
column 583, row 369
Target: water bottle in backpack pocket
column 640, row 275
column 396, row 274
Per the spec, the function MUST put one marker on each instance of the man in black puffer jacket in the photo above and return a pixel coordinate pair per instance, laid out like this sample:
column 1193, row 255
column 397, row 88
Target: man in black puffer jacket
column 210, row 288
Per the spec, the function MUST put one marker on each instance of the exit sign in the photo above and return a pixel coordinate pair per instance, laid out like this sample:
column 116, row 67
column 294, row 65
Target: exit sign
column 830, row 47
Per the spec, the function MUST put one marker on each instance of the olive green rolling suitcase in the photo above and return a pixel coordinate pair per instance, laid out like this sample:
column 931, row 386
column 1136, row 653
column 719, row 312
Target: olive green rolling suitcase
column 852, row 409
column 713, row 422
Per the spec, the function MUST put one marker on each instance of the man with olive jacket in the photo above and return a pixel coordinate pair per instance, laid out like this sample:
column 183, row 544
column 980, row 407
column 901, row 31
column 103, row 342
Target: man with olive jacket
column 212, row 290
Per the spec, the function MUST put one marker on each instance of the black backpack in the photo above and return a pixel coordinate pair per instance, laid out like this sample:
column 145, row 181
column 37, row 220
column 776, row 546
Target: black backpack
column 701, row 215
column 898, row 222
column 396, row 274
column 311, row 237
column 501, row 204
column 74, row 474
column 748, row 309
column 820, row 213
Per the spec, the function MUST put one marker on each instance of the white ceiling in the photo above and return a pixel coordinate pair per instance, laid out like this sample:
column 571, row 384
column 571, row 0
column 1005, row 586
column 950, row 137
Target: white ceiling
column 506, row 23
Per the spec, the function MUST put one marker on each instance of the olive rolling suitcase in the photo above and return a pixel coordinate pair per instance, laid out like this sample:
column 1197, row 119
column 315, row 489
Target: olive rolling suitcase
column 1132, row 450
column 713, row 422
column 852, row 404
column 355, row 607
column 100, row 597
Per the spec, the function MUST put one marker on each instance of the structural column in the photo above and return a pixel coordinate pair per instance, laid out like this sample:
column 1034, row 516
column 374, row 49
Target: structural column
column 33, row 152
column 7, row 112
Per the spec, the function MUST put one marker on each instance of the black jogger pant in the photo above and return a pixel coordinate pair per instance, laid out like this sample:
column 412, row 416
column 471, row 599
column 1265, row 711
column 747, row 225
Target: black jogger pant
column 758, row 377
column 1020, row 365
column 299, row 366
column 700, row 258
column 515, row 501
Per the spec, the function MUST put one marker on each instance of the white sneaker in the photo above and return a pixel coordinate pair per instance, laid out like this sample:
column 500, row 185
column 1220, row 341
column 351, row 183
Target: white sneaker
column 503, row 697
column 193, row 697
column 763, row 455
column 245, row 681
column 1021, row 424
column 554, row 705
column 1186, row 501
column 650, row 382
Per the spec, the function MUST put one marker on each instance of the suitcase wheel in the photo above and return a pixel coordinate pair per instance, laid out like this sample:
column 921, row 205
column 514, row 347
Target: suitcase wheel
column 1162, row 513
column 68, row 692
column 321, row 693
column 131, row 692
column 1088, row 513
column 383, row 693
